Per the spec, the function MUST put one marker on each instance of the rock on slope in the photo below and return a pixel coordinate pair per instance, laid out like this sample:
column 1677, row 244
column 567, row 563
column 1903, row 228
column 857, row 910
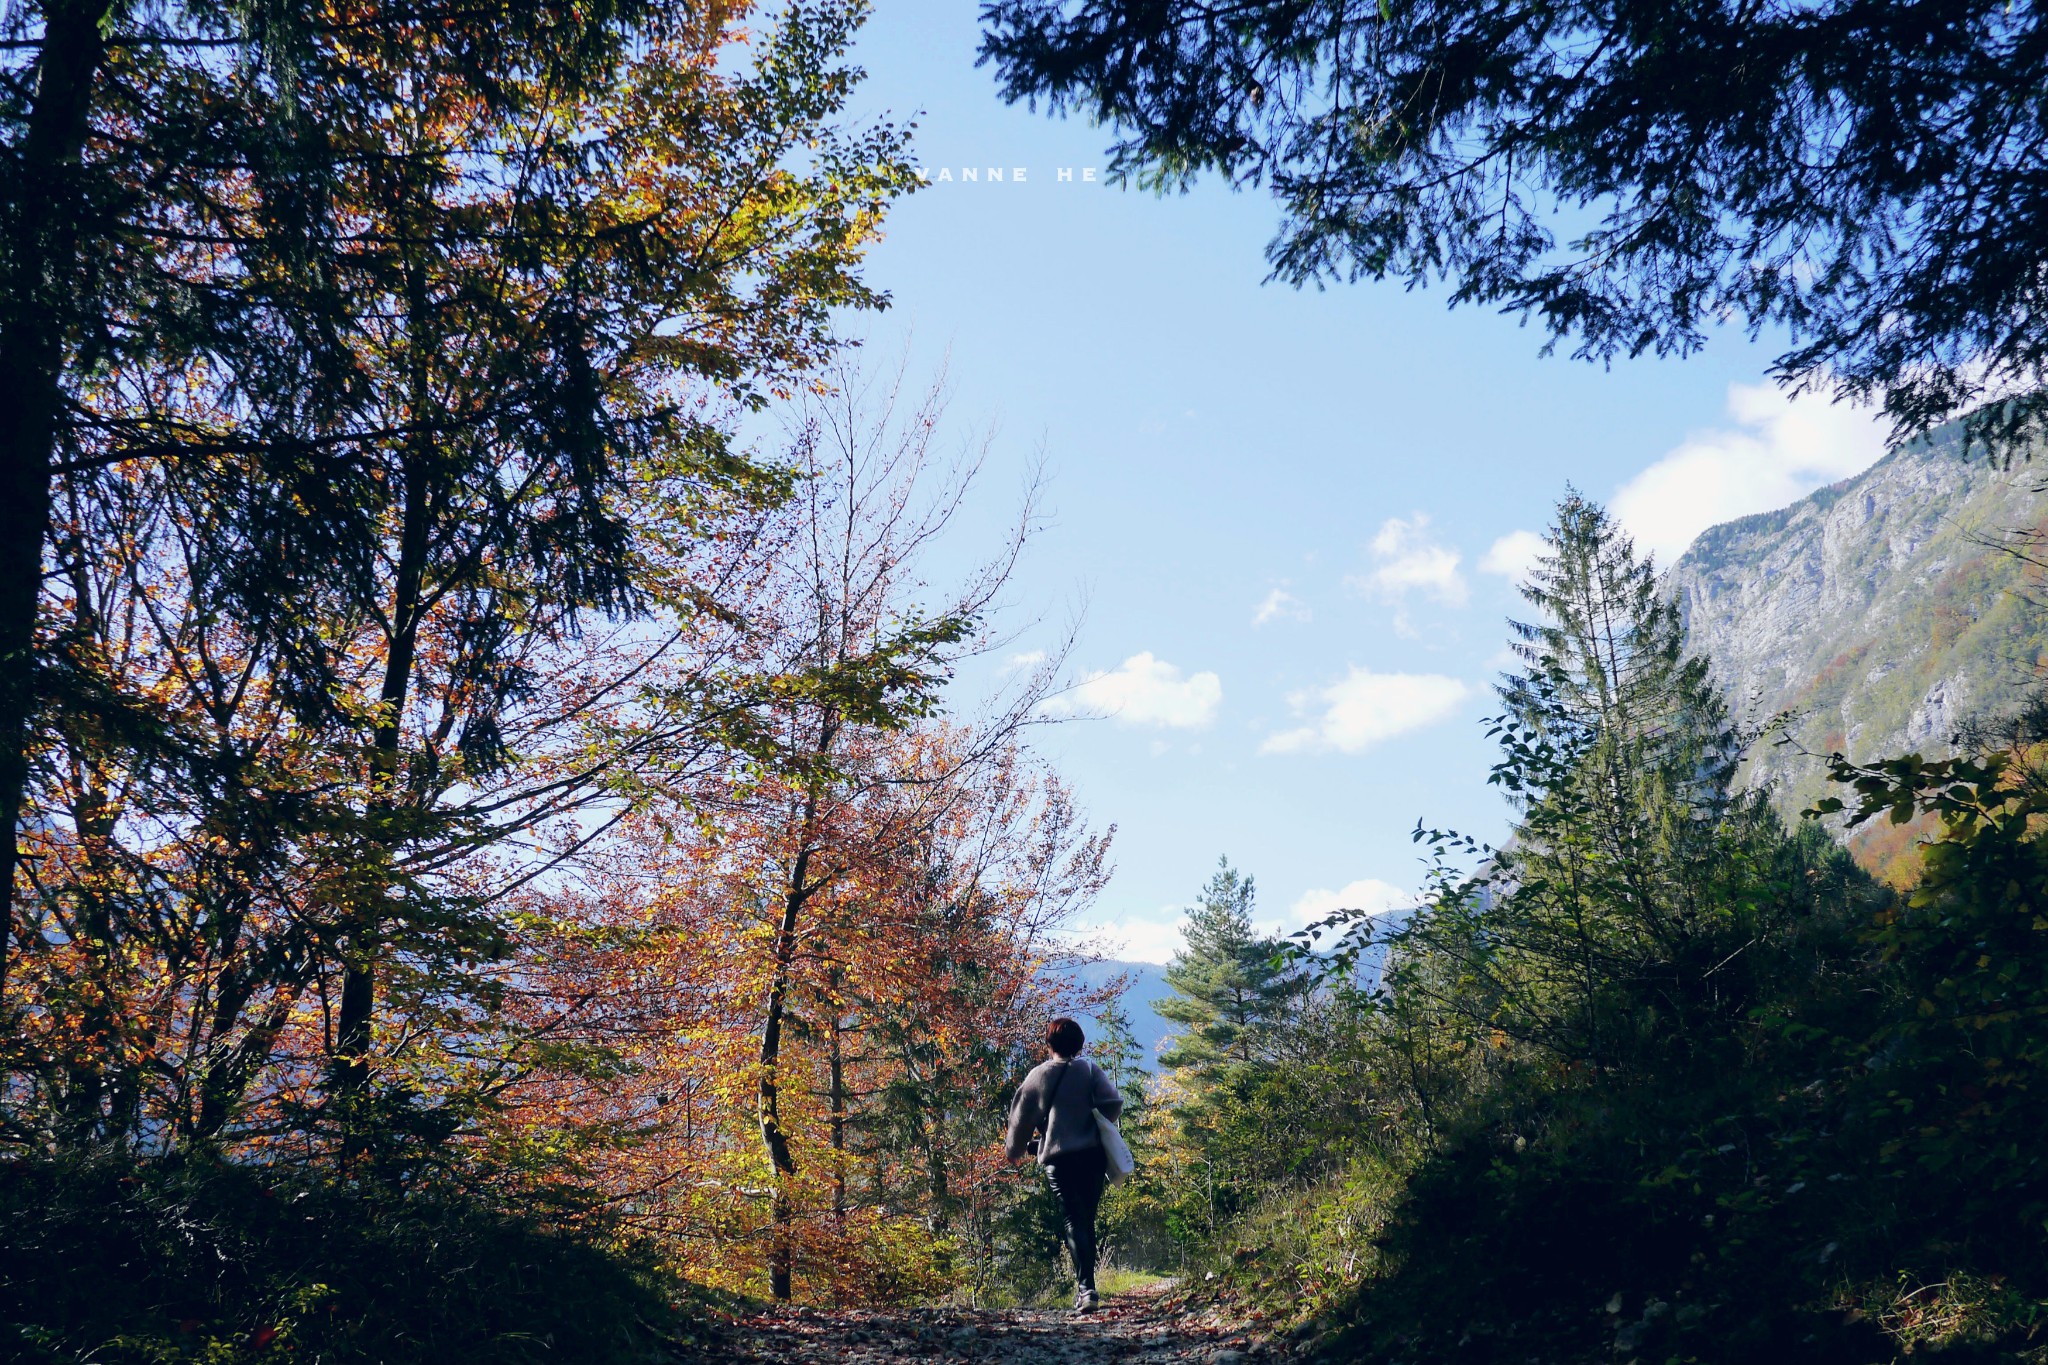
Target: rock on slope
column 1881, row 611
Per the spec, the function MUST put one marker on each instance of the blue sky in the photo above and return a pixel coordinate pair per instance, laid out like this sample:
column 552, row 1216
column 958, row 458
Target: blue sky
column 1292, row 517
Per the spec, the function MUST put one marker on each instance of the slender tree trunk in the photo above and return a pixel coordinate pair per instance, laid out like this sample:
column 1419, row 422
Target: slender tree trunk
column 45, row 233
column 782, row 1244
column 935, row 1179
column 353, row 1040
column 782, row 1249
column 354, row 1036
column 838, row 1119
column 91, row 1113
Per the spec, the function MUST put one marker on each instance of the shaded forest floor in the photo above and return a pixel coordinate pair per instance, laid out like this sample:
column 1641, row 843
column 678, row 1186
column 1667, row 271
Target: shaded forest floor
column 1148, row 1326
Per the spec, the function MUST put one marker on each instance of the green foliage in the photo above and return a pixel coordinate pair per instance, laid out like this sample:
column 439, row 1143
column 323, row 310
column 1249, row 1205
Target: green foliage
column 1300, row 1253
column 1117, row 1051
column 187, row 1260
column 1614, row 930
column 1232, row 993
column 1663, row 1080
column 1023, row 1240
column 1958, row 1080
column 1630, row 174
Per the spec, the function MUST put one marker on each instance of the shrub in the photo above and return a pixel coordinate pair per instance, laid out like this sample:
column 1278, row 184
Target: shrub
column 192, row 1259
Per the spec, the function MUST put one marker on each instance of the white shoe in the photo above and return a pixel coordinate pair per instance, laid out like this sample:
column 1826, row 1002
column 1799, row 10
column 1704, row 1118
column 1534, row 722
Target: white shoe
column 1085, row 1301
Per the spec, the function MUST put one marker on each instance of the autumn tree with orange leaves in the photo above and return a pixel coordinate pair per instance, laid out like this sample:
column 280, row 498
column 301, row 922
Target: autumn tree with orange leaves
column 920, row 977
column 302, row 738
column 451, row 754
column 819, row 968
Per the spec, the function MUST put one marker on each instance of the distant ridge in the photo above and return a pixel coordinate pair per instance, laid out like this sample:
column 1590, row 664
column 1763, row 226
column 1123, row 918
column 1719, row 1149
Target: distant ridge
column 1147, row 987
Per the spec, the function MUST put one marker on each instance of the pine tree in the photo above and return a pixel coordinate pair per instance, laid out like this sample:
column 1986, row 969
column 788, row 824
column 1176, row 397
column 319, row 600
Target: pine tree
column 1634, row 761
column 1227, row 989
column 1231, row 1001
column 179, row 255
column 1608, row 680
column 1637, row 868
column 1116, row 1050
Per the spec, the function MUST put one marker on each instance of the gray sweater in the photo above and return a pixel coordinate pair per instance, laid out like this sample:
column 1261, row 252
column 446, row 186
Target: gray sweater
column 1067, row 1118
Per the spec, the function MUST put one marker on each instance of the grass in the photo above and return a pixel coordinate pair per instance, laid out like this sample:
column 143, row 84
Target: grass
column 1113, row 1280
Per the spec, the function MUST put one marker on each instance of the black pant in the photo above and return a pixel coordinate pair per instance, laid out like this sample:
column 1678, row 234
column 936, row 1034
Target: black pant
column 1077, row 1180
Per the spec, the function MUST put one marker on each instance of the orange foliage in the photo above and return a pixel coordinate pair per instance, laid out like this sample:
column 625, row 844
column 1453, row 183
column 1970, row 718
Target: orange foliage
column 919, row 981
column 1891, row 853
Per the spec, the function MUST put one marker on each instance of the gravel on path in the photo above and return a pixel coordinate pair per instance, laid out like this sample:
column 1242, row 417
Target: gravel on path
column 1149, row 1326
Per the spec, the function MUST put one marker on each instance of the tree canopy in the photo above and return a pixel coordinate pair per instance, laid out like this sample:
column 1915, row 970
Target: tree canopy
column 1865, row 175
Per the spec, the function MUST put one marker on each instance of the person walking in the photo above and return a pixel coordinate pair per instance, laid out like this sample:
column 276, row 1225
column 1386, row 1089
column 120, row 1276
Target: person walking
column 1054, row 1116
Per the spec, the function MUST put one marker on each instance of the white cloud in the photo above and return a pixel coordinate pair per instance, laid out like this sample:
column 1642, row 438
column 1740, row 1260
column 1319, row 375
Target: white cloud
column 1369, row 894
column 1143, row 690
column 1281, row 605
column 1139, row 940
column 1367, row 707
column 1779, row 450
column 1513, row 555
column 1030, row 658
column 1407, row 560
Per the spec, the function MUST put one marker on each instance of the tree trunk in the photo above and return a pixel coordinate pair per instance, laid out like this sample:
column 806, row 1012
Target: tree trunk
column 44, row 239
column 936, row 1183
column 781, row 1251
column 838, row 1120
column 782, row 1244
column 353, row 1035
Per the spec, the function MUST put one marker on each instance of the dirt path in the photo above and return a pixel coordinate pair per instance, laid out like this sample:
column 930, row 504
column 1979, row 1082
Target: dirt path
column 1143, row 1327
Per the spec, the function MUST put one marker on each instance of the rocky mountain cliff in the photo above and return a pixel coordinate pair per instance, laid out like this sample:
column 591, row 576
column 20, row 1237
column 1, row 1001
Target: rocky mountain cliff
column 1881, row 611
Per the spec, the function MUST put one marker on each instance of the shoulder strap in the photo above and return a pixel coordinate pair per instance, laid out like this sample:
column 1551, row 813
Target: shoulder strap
column 1059, row 1087
column 1052, row 1100
column 1091, row 1073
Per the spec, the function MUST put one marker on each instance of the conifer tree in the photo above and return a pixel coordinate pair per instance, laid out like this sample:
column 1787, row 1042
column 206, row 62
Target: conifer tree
column 1115, row 1049
column 1848, row 170
column 438, row 264
column 1604, row 923
column 443, row 392
column 179, row 256
column 1608, row 679
column 1227, row 990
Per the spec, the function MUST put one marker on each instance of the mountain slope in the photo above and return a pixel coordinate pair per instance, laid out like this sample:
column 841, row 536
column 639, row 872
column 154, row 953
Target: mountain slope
column 1145, row 986
column 1881, row 611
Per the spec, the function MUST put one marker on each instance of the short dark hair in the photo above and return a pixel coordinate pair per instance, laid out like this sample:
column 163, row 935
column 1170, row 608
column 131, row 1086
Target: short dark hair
column 1064, row 1036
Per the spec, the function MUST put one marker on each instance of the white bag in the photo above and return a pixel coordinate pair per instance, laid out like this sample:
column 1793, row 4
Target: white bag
column 1117, row 1164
